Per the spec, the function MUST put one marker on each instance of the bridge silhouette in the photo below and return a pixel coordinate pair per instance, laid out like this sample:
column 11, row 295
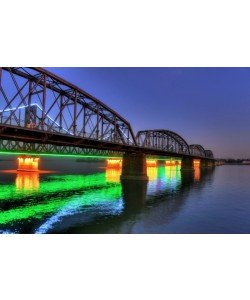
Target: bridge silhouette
column 43, row 113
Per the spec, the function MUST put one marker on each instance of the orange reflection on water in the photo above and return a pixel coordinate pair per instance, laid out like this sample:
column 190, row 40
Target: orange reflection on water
column 113, row 174
column 197, row 173
column 27, row 181
column 28, row 163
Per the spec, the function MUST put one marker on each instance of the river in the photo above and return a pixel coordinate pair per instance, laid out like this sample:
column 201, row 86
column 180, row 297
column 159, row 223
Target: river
column 88, row 197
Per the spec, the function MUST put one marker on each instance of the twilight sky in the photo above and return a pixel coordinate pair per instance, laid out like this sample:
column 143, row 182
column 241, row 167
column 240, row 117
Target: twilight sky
column 207, row 106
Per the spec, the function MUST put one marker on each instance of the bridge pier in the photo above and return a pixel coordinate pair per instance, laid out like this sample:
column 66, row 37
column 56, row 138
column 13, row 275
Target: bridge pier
column 134, row 194
column 187, row 164
column 134, row 167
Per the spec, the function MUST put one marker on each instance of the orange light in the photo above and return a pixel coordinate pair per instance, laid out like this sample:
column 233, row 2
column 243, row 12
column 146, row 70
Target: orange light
column 28, row 163
column 170, row 163
column 197, row 162
column 197, row 173
column 114, row 163
column 27, row 181
column 151, row 163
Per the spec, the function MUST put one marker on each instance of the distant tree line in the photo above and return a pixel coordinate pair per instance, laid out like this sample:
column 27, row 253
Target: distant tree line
column 235, row 161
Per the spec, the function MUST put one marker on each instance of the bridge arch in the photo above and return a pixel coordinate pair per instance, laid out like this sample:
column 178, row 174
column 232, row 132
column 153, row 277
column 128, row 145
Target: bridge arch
column 162, row 139
column 197, row 150
column 209, row 154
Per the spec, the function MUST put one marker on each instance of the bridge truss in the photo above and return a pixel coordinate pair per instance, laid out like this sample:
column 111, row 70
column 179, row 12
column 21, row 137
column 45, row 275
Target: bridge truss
column 19, row 147
column 41, row 112
column 40, row 102
column 164, row 140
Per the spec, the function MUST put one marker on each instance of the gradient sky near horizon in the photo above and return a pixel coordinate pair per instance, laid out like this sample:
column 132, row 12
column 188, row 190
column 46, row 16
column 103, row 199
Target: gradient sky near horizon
column 207, row 106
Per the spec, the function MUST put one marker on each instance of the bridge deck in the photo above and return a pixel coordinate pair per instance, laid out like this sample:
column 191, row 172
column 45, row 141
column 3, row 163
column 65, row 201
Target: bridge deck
column 37, row 136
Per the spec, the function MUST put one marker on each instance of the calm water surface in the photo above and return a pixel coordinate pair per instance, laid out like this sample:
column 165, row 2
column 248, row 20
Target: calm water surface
column 87, row 197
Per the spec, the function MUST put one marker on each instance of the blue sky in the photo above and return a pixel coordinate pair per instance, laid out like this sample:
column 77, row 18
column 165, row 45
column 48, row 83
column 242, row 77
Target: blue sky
column 207, row 106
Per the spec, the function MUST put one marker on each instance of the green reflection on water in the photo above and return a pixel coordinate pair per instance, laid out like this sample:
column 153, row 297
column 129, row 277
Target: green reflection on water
column 51, row 184
column 29, row 197
column 55, row 193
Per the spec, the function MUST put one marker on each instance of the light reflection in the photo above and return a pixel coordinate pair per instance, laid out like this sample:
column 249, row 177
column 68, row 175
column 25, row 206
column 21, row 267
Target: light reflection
column 152, row 173
column 197, row 163
column 60, row 195
column 166, row 178
column 113, row 174
column 197, row 173
column 173, row 173
column 27, row 181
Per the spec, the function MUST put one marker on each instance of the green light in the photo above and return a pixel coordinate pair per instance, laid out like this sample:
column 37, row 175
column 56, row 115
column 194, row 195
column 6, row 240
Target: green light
column 58, row 155
column 56, row 193
column 54, row 184
column 39, row 211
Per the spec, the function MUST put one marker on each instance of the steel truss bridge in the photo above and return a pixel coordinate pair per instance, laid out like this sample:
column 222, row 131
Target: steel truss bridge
column 43, row 113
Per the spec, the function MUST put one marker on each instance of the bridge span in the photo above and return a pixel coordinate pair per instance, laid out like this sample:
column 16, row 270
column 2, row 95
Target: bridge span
column 43, row 113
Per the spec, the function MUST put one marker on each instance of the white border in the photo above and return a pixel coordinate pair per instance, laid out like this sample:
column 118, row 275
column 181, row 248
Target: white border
column 124, row 33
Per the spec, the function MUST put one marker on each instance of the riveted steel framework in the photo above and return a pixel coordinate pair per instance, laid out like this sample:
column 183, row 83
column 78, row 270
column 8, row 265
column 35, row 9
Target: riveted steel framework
column 37, row 100
column 164, row 140
column 9, row 146
column 197, row 150
column 209, row 154
column 40, row 111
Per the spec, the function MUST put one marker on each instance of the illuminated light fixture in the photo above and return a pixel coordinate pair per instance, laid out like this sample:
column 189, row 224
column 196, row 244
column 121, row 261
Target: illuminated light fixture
column 196, row 162
column 151, row 163
column 28, row 164
column 170, row 163
column 178, row 163
column 114, row 163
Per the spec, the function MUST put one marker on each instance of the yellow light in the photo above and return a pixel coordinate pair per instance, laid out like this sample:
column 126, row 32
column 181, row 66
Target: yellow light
column 113, row 174
column 152, row 173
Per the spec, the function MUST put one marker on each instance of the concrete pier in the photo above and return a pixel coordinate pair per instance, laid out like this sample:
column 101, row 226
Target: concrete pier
column 134, row 167
column 187, row 163
column 134, row 193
